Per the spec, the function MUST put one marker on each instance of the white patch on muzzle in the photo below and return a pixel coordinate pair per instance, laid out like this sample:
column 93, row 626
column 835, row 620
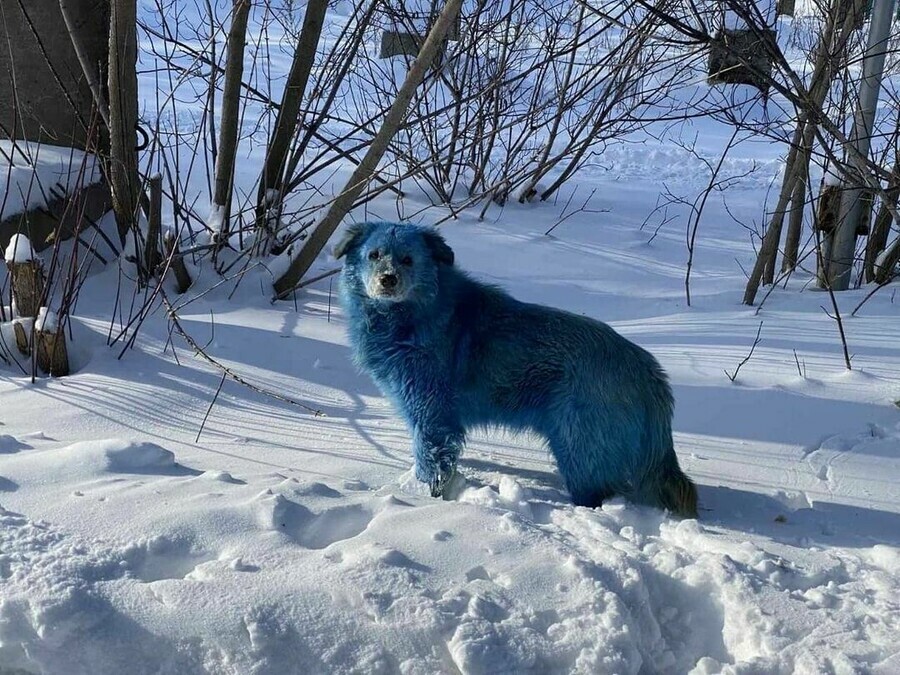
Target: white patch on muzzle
column 376, row 290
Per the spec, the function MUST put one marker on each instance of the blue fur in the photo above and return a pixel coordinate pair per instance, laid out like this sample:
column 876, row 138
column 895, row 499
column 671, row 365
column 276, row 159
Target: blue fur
column 453, row 353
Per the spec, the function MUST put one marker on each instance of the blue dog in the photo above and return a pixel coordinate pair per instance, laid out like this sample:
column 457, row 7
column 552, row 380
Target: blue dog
column 453, row 353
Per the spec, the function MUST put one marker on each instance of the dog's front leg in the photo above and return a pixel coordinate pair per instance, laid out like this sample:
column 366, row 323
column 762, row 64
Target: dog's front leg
column 436, row 448
column 438, row 435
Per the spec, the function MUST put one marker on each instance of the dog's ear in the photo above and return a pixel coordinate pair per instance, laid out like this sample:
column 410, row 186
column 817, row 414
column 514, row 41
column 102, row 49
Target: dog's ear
column 352, row 237
column 440, row 251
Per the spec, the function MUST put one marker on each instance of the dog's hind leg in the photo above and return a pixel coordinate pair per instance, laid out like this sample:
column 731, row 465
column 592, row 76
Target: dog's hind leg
column 578, row 464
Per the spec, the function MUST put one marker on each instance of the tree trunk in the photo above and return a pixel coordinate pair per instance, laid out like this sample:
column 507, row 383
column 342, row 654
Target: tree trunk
column 795, row 222
column 123, row 173
column 769, row 247
column 270, row 182
column 228, row 127
column 154, row 225
column 826, row 56
column 881, row 228
column 798, row 204
column 363, row 173
column 887, row 262
column 853, row 203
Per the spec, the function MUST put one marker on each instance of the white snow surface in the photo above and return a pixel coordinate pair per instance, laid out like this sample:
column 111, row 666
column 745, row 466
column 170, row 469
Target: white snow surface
column 281, row 542
column 32, row 172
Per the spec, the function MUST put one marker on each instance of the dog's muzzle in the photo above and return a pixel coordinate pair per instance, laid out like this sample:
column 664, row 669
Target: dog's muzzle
column 386, row 285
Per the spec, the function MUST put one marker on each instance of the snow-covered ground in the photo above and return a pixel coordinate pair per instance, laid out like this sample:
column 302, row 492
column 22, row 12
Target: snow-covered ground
column 282, row 542
column 33, row 174
column 278, row 542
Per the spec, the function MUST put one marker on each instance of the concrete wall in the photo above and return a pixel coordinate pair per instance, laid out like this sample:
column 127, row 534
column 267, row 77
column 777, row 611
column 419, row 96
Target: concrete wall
column 52, row 109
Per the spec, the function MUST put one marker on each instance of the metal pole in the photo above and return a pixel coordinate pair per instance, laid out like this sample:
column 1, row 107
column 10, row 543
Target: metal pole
column 840, row 265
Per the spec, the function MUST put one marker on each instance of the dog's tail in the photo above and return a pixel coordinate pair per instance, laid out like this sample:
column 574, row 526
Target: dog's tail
column 677, row 492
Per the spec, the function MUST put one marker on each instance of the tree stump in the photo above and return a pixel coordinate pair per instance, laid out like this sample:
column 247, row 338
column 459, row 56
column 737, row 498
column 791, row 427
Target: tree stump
column 22, row 338
column 154, row 226
column 27, row 286
column 182, row 277
column 52, row 355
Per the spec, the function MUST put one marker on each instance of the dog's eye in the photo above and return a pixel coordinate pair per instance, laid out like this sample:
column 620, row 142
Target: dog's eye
column 374, row 255
column 407, row 260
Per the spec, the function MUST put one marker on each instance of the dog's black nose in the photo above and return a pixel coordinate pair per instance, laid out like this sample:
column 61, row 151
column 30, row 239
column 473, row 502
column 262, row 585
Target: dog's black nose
column 389, row 280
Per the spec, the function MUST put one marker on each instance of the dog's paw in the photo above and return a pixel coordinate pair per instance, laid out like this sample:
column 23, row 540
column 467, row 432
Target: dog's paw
column 440, row 482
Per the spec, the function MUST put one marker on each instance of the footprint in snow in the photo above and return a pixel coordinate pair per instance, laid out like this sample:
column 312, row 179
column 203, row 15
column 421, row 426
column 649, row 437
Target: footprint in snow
column 310, row 529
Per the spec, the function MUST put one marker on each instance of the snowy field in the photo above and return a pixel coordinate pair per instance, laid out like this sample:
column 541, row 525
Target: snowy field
column 280, row 542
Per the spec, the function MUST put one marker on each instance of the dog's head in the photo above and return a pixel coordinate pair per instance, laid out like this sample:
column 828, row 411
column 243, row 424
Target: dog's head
column 393, row 262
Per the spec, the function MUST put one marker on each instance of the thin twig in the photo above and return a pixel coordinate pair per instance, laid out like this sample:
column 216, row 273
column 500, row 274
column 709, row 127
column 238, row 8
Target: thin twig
column 797, row 361
column 173, row 317
column 877, row 288
column 733, row 377
column 211, row 404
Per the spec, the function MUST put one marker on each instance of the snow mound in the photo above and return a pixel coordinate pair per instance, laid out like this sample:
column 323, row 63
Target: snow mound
column 118, row 455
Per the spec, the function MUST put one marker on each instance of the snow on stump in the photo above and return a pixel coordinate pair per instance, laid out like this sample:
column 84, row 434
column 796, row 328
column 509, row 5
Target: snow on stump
column 50, row 343
column 27, row 275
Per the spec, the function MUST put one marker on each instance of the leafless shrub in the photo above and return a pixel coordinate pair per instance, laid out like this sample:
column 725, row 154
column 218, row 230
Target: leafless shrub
column 526, row 95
